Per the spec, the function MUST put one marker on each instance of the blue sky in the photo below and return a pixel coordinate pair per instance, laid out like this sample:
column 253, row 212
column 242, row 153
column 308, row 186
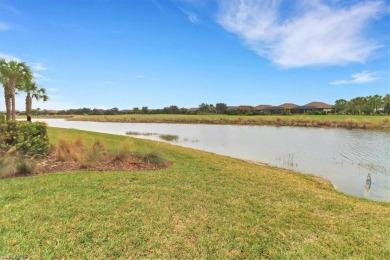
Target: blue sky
column 156, row 53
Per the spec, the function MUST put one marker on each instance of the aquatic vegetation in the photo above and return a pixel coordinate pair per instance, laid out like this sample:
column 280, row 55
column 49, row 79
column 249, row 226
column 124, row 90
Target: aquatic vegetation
column 168, row 137
column 139, row 133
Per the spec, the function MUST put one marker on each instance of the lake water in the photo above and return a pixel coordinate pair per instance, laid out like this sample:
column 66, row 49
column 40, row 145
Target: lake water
column 345, row 157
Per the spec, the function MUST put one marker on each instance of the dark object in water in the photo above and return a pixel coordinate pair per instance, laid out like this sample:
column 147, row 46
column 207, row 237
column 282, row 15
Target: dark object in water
column 368, row 182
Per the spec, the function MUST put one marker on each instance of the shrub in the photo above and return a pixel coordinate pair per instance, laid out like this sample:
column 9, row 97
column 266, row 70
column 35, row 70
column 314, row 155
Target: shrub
column 2, row 119
column 29, row 138
column 33, row 139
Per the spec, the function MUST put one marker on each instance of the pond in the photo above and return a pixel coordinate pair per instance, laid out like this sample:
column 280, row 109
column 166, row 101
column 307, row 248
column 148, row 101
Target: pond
column 357, row 162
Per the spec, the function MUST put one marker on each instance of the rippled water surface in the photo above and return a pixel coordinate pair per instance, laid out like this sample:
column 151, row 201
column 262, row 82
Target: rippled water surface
column 345, row 157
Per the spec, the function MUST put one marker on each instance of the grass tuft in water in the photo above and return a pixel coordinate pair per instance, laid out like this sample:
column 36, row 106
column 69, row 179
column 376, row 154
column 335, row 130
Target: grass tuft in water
column 169, row 138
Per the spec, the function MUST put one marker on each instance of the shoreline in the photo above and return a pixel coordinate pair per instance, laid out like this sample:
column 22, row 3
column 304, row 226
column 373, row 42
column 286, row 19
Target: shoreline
column 201, row 197
column 306, row 121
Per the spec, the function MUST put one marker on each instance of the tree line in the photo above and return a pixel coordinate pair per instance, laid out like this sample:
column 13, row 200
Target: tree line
column 374, row 104
column 17, row 76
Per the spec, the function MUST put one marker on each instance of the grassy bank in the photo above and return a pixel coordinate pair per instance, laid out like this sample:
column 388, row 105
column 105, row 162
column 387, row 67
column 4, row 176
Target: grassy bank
column 203, row 206
column 345, row 121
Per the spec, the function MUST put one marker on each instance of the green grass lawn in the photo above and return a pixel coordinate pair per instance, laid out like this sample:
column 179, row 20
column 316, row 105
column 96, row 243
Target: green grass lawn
column 203, row 206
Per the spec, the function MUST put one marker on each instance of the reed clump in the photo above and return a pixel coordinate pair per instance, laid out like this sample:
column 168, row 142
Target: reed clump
column 123, row 152
column 13, row 164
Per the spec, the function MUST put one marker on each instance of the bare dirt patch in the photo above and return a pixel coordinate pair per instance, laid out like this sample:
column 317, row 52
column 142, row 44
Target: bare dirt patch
column 52, row 164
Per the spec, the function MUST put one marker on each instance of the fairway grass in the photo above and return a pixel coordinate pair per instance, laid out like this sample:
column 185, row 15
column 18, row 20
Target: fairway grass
column 345, row 121
column 203, row 206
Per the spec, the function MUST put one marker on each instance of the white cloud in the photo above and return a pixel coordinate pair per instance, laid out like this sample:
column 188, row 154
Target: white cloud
column 108, row 82
column 318, row 34
column 140, row 76
column 358, row 78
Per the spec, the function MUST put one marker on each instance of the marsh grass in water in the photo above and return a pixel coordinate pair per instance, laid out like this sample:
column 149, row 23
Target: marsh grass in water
column 139, row 133
column 169, row 138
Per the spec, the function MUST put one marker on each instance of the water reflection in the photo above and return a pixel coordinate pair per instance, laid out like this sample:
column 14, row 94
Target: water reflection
column 345, row 157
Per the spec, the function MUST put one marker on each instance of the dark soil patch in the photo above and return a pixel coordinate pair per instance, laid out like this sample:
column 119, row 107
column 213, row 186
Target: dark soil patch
column 52, row 164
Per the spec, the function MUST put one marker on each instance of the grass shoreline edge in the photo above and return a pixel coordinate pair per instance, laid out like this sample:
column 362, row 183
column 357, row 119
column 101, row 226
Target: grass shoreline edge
column 320, row 121
column 203, row 205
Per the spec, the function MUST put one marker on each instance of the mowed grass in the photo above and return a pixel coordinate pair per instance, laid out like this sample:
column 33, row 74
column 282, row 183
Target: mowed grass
column 346, row 121
column 203, row 206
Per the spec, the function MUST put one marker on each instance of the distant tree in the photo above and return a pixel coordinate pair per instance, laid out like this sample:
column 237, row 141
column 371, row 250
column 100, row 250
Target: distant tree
column 204, row 108
column 174, row 109
column 374, row 103
column 145, row 110
column 221, row 108
column 341, row 106
column 357, row 105
column 386, row 103
column 136, row 110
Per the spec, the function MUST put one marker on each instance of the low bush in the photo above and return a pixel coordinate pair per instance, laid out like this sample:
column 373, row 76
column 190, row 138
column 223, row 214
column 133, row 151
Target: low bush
column 29, row 138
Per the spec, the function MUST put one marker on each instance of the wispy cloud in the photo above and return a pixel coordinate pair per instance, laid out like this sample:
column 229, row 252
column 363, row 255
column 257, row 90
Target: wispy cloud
column 4, row 27
column 192, row 16
column 319, row 34
column 9, row 9
column 140, row 76
column 39, row 67
column 40, row 77
column 8, row 57
column 73, row 27
column 109, row 82
column 157, row 4
column 53, row 90
column 358, row 78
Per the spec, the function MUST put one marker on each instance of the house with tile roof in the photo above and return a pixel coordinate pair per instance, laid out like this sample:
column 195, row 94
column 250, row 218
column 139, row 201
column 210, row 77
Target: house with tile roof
column 312, row 107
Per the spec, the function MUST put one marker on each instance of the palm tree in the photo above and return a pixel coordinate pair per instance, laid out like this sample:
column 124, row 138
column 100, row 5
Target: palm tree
column 18, row 74
column 7, row 96
column 33, row 92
